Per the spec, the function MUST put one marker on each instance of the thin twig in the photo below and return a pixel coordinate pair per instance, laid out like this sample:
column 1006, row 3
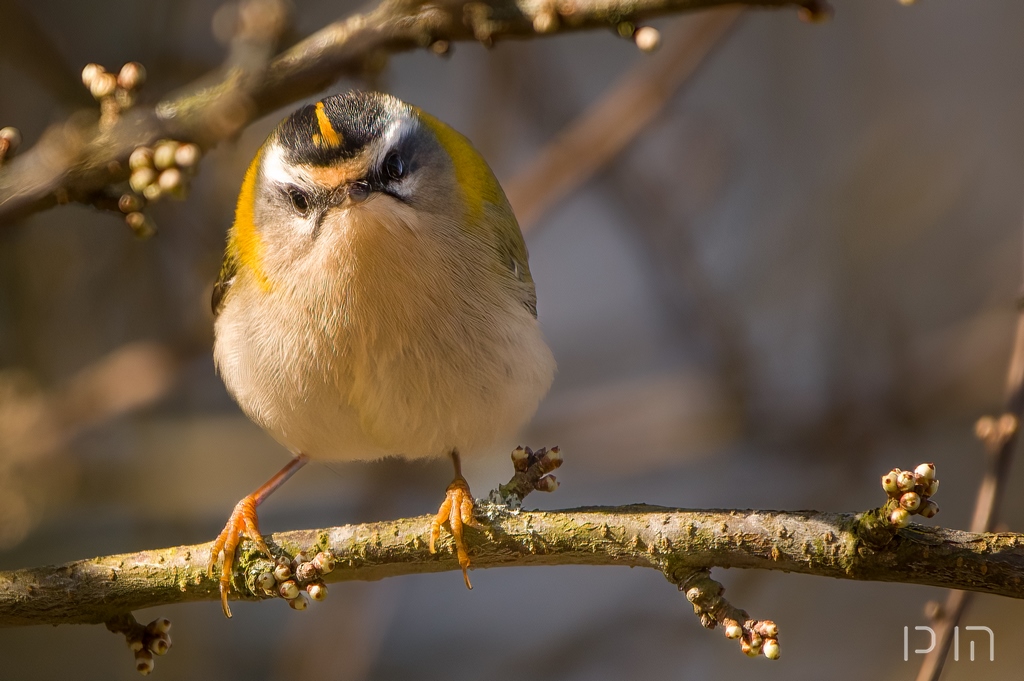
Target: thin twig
column 1001, row 442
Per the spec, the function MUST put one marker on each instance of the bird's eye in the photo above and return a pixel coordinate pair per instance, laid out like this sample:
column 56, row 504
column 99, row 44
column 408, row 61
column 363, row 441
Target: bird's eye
column 394, row 166
column 300, row 202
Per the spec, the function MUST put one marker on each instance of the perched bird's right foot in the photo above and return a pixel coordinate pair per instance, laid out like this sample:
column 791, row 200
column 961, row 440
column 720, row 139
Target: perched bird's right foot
column 243, row 521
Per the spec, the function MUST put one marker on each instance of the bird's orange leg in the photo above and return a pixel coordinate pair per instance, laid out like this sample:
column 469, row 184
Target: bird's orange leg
column 456, row 511
column 243, row 522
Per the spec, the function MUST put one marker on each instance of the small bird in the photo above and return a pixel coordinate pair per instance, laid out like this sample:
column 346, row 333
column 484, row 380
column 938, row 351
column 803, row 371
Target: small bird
column 375, row 300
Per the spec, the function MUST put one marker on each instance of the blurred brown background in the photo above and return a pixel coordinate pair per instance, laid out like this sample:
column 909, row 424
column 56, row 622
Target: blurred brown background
column 801, row 275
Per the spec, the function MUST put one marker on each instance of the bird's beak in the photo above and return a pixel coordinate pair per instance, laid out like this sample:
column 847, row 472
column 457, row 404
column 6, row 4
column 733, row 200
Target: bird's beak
column 359, row 191
column 356, row 191
column 339, row 195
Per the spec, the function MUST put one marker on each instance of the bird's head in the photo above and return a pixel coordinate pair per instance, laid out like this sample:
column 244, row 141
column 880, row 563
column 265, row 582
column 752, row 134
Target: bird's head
column 367, row 165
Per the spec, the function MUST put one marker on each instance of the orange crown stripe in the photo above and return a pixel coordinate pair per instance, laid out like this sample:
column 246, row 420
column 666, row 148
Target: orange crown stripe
column 327, row 135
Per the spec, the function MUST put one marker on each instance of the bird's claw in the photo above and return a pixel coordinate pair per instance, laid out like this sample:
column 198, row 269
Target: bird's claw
column 243, row 522
column 456, row 512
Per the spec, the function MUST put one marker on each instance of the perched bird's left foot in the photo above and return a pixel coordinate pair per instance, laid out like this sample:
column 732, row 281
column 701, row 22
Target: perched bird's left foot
column 456, row 512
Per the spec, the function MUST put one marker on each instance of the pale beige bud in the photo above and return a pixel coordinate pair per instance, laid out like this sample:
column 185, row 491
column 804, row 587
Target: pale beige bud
column 152, row 192
column 771, row 649
column 170, row 180
column 89, row 74
column 103, row 85
column 911, row 501
column 160, row 644
column 163, row 154
column 289, row 589
column 928, row 509
column 141, row 178
column 140, row 224
column 129, row 203
column 925, row 472
column 144, row 662
column 905, row 481
column 900, row 517
column 546, row 21
column 520, row 459
column 142, row 157
column 12, row 136
column 325, row 561
column 317, row 591
column 307, row 571
column 266, row 581
column 647, row 38
column 159, row 626
column 187, row 156
column 550, row 460
column 132, row 76
column 548, row 483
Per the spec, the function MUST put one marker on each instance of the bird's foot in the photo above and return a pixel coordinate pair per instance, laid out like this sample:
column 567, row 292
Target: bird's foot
column 243, row 522
column 533, row 472
column 456, row 512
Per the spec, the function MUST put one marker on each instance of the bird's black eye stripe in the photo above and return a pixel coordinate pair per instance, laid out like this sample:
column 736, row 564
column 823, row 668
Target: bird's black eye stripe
column 299, row 199
column 394, row 166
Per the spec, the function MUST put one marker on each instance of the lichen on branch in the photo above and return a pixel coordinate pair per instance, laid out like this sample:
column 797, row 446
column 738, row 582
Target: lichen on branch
column 673, row 541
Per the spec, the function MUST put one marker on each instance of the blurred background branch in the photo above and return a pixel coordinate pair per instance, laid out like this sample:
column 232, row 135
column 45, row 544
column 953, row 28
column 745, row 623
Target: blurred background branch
column 608, row 126
column 36, row 425
column 77, row 161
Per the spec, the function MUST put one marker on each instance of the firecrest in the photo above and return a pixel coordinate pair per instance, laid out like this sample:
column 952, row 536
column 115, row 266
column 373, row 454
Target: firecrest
column 375, row 300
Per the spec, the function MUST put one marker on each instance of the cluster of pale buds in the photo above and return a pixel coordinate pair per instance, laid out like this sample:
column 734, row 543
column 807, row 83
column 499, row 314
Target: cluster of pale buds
column 115, row 93
column 542, row 461
column 290, row 577
column 911, row 490
column 153, row 639
column 756, row 637
column 161, row 170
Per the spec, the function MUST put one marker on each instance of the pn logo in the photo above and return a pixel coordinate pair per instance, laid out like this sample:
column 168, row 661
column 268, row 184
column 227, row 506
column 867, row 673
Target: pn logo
column 956, row 642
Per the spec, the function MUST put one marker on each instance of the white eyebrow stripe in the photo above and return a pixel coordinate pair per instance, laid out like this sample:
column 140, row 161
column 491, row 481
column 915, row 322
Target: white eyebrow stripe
column 389, row 139
column 277, row 170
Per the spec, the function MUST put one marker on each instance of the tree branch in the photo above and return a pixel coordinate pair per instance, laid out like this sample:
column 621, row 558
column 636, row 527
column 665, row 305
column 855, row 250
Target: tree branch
column 78, row 160
column 677, row 542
